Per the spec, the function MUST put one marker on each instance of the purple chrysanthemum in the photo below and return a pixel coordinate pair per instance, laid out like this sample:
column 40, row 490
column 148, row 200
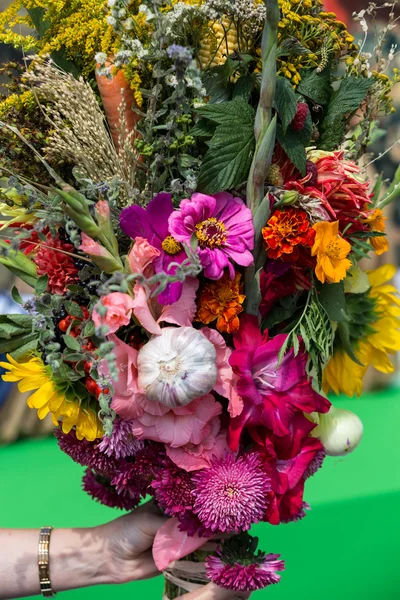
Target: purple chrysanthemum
column 122, row 442
column 244, row 577
column 224, row 229
column 173, row 489
column 134, row 478
column 315, row 464
column 100, row 489
column 85, row 453
column 232, row 494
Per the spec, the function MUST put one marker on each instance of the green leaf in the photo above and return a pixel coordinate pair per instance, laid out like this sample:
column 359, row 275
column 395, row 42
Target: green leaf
column 25, row 350
column 23, row 321
column 316, row 86
column 217, row 87
column 75, row 289
column 89, row 329
column 72, row 356
column 73, row 309
column 392, row 192
column 253, row 298
column 343, row 332
column 231, row 113
column 294, row 148
column 377, row 189
column 41, row 285
column 203, row 128
column 291, row 47
column 347, row 99
column 16, row 296
column 71, row 343
column 9, row 330
column 332, row 298
column 285, row 102
column 243, row 87
column 228, row 160
column 17, row 342
column 37, row 16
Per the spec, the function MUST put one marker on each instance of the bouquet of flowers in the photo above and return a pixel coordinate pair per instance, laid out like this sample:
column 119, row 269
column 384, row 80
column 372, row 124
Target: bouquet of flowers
column 184, row 186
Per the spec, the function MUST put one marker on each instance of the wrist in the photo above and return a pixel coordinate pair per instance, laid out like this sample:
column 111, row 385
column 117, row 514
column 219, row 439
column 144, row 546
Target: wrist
column 77, row 559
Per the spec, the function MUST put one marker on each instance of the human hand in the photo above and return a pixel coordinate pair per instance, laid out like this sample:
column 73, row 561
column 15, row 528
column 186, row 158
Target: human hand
column 213, row 592
column 127, row 543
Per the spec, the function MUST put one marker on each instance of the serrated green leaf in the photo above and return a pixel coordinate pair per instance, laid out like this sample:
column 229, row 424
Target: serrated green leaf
column 285, row 102
column 293, row 147
column 332, row 298
column 217, row 87
column 73, row 309
column 227, row 162
column 41, row 284
column 244, row 87
column 16, row 296
column 71, row 343
column 347, row 99
column 296, row 345
column 231, row 113
column 316, row 86
column 203, row 128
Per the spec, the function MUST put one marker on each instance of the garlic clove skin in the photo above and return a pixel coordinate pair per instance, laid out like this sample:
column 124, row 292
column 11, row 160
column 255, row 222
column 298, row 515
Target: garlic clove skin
column 340, row 431
column 177, row 366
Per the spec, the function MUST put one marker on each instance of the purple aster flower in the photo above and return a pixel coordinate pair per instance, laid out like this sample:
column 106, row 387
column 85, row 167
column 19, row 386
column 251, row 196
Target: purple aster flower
column 224, row 229
column 122, row 442
column 190, row 524
column 134, row 478
column 232, row 494
column 244, row 577
column 173, row 489
column 85, row 453
column 151, row 223
column 100, row 489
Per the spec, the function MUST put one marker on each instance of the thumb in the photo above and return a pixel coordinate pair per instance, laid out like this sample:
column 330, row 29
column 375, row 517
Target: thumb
column 213, row 592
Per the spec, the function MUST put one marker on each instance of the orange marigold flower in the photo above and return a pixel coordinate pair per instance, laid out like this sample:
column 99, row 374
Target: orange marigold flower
column 285, row 231
column 376, row 222
column 331, row 251
column 222, row 301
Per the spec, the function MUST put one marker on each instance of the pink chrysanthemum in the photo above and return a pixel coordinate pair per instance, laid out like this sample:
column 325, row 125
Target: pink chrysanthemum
column 122, row 442
column 191, row 524
column 85, row 453
column 173, row 489
column 232, row 494
column 100, row 489
column 244, row 577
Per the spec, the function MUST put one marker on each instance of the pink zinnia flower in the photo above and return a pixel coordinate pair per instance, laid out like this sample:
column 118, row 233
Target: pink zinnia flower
column 232, row 494
column 100, row 489
column 271, row 394
column 223, row 226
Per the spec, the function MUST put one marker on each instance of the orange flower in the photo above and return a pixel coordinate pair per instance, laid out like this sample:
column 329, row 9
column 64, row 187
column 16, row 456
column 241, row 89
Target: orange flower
column 221, row 300
column 376, row 222
column 285, row 231
column 331, row 251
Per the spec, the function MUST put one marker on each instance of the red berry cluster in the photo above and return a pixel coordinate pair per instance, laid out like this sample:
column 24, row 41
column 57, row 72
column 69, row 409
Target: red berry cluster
column 300, row 117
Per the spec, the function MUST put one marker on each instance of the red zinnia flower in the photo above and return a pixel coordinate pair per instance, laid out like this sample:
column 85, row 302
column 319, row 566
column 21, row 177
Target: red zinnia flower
column 285, row 231
column 51, row 260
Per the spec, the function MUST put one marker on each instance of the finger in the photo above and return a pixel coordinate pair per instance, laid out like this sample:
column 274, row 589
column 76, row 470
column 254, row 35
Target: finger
column 213, row 592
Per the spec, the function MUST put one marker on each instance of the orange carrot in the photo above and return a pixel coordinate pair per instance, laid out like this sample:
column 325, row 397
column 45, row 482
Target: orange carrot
column 112, row 92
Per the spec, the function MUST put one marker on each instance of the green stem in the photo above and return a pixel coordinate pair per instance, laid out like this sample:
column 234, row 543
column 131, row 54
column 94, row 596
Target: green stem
column 264, row 128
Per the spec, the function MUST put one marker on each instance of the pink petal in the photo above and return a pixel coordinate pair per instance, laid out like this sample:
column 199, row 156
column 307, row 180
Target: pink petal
column 183, row 311
column 172, row 544
column 142, row 311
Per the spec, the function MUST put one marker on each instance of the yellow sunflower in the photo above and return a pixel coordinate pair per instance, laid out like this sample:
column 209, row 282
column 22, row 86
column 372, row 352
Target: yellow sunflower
column 342, row 374
column 32, row 375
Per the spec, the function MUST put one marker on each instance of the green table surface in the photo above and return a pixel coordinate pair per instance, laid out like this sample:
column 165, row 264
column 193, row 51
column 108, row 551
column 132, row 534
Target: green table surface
column 346, row 548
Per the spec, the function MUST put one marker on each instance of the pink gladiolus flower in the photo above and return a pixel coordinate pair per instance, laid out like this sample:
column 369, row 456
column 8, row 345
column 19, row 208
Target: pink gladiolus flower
column 271, row 395
column 141, row 256
column 119, row 310
column 223, row 226
column 103, row 209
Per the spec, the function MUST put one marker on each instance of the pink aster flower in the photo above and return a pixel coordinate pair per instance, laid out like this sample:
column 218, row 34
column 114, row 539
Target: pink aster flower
column 173, row 489
column 271, row 394
column 134, row 478
column 122, row 442
column 100, row 489
column 232, row 494
column 244, row 577
column 223, row 226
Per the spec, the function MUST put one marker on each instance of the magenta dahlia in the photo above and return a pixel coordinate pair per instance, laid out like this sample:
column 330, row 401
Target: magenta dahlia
column 238, row 567
column 100, row 489
column 223, row 227
column 232, row 494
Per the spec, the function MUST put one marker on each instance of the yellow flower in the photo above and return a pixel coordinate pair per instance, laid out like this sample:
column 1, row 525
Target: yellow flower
column 342, row 374
column 32, row 375
column 376, row 222
column 331, row 251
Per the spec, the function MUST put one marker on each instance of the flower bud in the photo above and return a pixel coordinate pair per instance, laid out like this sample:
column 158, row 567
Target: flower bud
column 289, row 197
column 340, row 431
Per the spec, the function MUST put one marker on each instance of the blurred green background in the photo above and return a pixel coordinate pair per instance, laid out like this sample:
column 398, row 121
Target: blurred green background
column 346, row 547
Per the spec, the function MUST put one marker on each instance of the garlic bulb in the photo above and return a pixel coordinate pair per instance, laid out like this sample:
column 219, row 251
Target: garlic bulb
column 177, row 366
column 339, row 430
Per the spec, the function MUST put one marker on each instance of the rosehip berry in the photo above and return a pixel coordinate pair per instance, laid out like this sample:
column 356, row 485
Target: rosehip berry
column 91, row 385
column 87, row 367
column 63, row 325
